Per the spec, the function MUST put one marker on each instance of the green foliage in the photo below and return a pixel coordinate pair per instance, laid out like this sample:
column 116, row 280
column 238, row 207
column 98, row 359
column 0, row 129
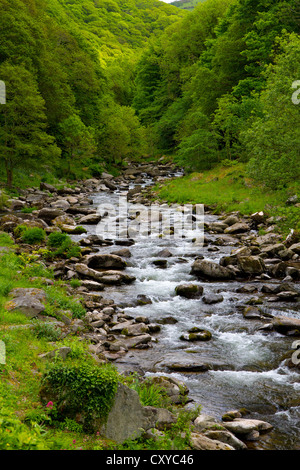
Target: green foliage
column 57, row 239
column 150, row 394
column 46, row 330
column 6, row 239
column 87, row 388
column 28, row 210
column 63, row 246
column 33, row 236
column 272, row 140
column 3, row 199
column 23, row 133
column 15, row 435
column 58, row 300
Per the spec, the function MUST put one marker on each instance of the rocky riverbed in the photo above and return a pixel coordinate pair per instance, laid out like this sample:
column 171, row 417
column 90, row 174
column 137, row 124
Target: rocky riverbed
column 221, row 317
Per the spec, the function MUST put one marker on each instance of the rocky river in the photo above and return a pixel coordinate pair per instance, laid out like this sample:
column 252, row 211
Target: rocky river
column 221, row 315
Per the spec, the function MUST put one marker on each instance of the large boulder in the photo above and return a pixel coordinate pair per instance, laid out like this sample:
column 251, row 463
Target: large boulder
column 206, row 269
column 29, row 301
column 189, row 291
column 113, row 278
column 90, row 219
column 105, row 262
column 251, row 265
column 201, row 442
column 128, row 419
column 48, row 214
column 62, row 220
column 243, row 427
column 239, row 227
column 286, row 325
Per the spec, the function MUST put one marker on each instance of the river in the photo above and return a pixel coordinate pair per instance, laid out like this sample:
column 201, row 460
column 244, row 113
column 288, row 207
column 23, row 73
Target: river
column 246, row 364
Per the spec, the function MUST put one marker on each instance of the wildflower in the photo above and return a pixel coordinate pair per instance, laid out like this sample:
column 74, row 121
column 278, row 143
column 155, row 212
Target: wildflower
column 49, row 404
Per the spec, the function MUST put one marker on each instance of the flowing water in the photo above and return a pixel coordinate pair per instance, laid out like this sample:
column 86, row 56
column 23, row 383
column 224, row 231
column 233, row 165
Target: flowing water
column 246, row 364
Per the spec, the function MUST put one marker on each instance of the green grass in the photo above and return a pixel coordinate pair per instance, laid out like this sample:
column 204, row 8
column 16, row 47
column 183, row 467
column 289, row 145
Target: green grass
column 26, row 423
column 228, row 189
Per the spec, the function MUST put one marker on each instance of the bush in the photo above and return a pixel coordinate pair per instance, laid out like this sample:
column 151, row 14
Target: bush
column 64, row 245
column 86, row 388
column 57, row 239
column 31, row 236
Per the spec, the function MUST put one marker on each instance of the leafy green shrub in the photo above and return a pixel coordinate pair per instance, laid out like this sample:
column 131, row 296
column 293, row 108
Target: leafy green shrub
column 57, row 239
column 88, row 388
column 64, row 245
column 29, row 235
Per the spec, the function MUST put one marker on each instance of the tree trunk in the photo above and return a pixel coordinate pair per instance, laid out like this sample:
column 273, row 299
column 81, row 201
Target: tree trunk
column 9, row 175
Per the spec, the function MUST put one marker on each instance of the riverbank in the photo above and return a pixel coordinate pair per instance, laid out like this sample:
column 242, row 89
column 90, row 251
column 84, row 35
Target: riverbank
column 87, row 275
column 228, row 188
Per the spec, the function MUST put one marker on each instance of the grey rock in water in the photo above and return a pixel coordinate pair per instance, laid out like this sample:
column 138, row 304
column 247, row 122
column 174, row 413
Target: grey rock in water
column 211, row 270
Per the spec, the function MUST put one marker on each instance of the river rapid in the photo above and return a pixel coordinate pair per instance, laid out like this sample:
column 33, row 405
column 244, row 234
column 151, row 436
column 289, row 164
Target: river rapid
column 246, row 364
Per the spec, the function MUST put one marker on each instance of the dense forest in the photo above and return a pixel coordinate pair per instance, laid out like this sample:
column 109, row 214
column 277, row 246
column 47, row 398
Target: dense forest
column 95, row 82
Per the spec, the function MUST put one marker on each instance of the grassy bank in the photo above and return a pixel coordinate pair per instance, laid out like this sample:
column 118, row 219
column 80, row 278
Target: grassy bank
column 25, row 422
column 227, row 188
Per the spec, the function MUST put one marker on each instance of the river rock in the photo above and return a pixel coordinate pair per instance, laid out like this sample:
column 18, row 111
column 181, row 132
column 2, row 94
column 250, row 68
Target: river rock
column 92, row 285
column 60, row 204
column 63, row 220
column 128, row 419
column 210, row 270
column 29, row 301
column 295, row 248
column 258, row 217
column 212, row 298
column 124, row 253
column 239, row 227
column 227, row 438
column 114, row 277
column 252, row 265
column 196, row 334
column 48, row 214
column 242, row 426
column 165, row 253
column 272, row 250
column 90, row 219
column 203, row 422
column 231, row 220
column 143, row 299
column 201, row 442
column 136, row 329
column 105, row 262
column 286, row 325
column 47, row 187
column 190, row 291
column 252, row 313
